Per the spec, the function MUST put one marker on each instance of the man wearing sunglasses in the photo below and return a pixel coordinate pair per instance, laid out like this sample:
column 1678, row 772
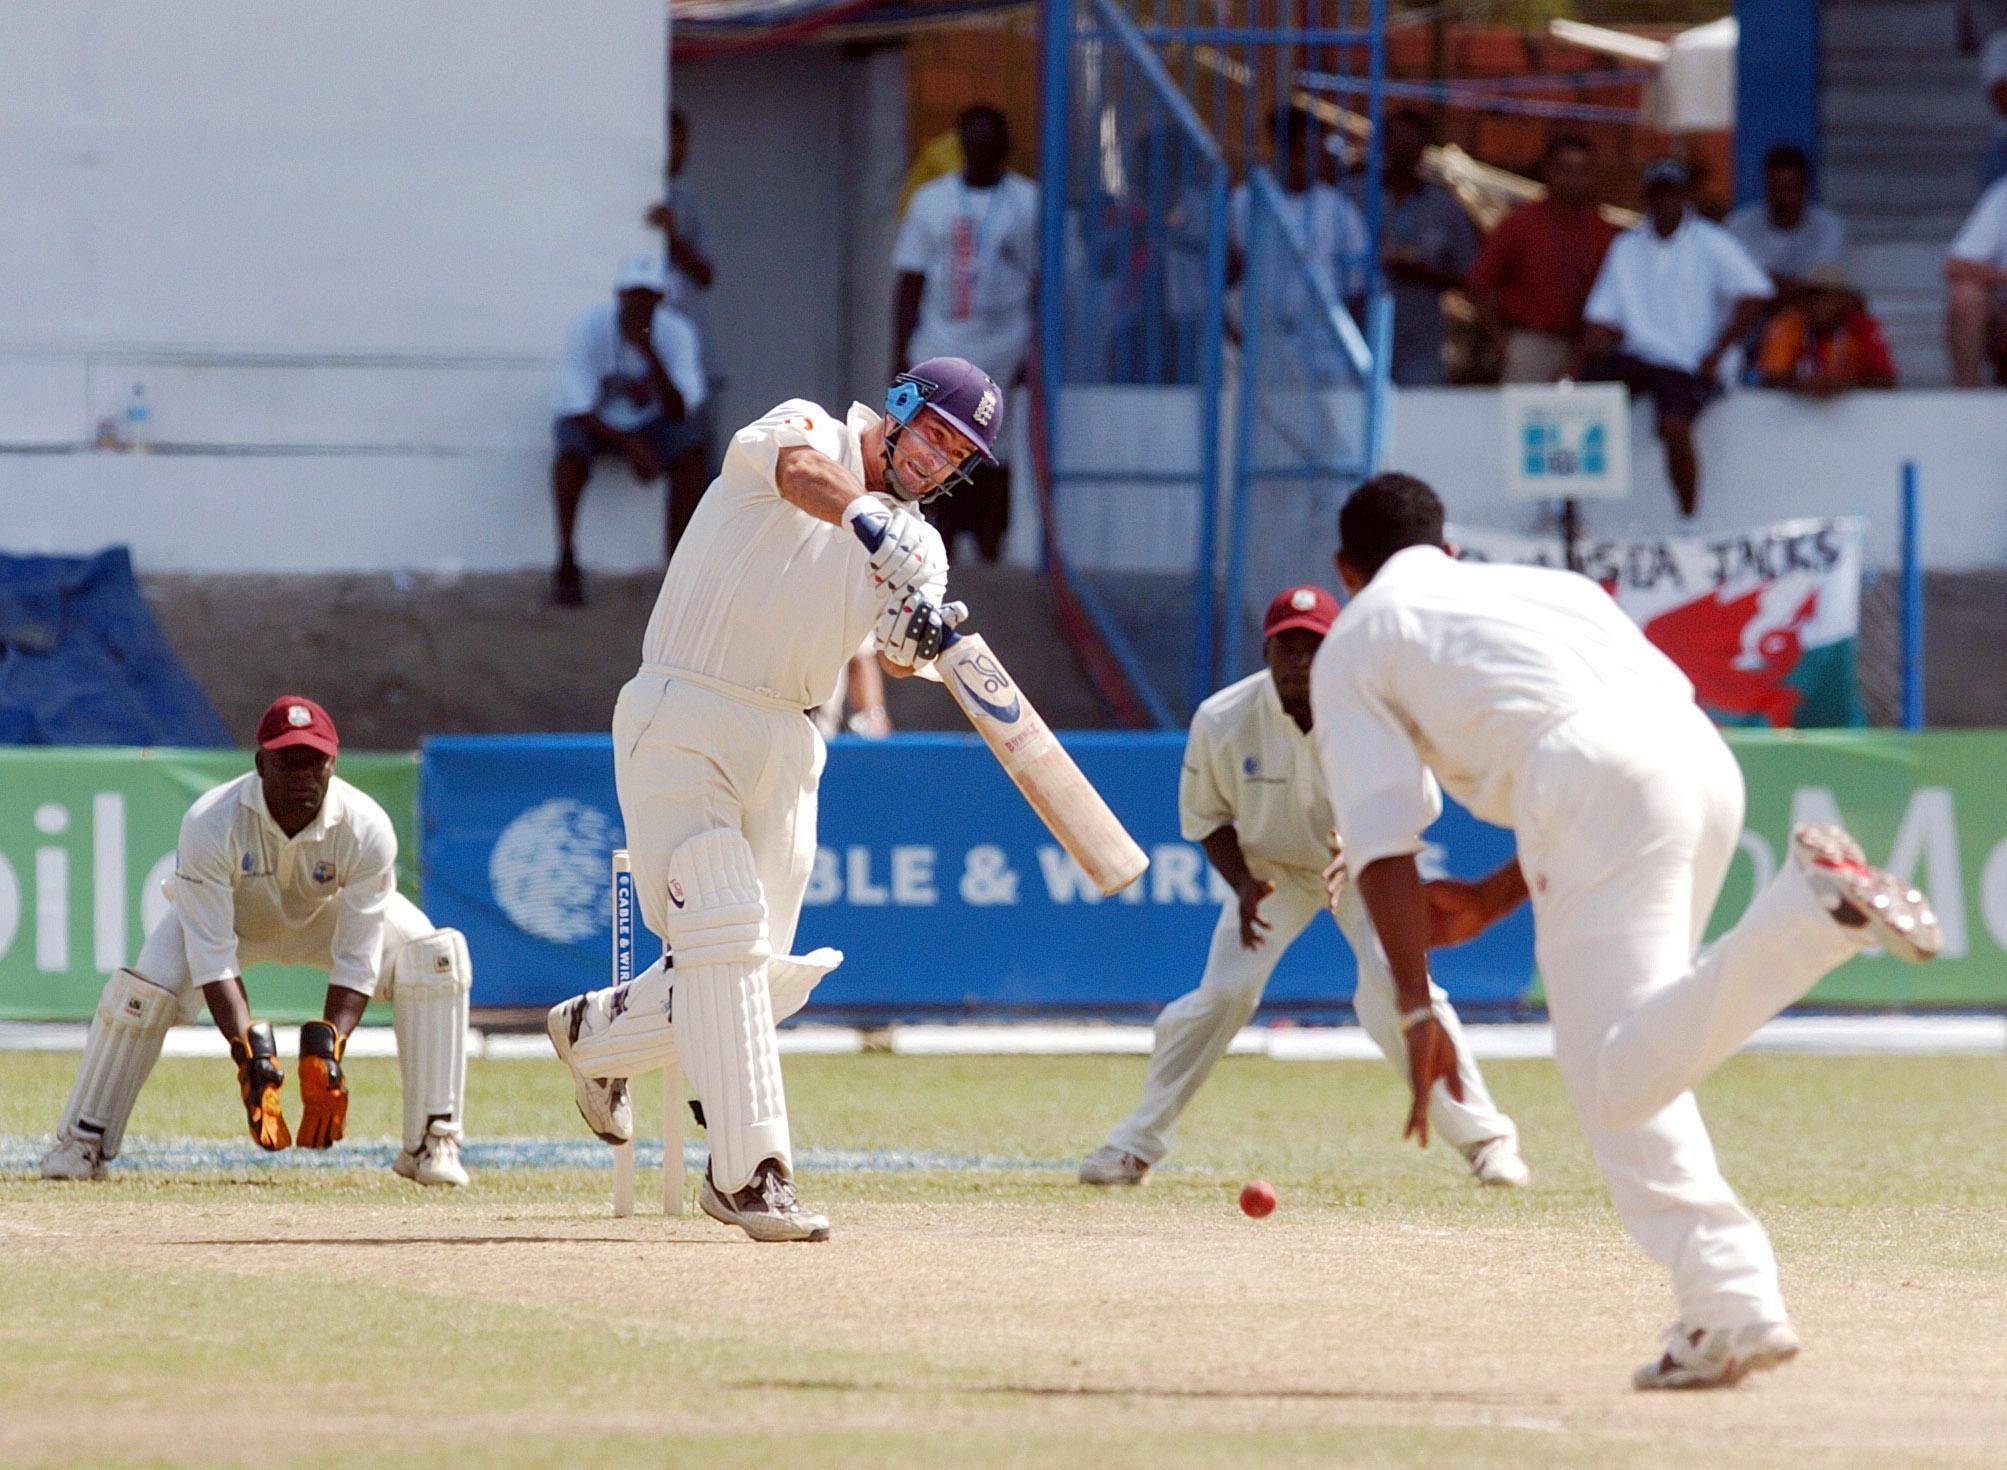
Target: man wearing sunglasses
column 808, row 543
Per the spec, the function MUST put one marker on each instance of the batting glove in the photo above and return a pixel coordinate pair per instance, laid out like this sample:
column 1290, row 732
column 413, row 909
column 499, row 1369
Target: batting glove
column 912, row 629
column 895, row 540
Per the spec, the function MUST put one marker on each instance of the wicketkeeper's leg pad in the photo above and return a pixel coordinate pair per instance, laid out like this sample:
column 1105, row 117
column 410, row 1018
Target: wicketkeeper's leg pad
column 723, row 1012
column 132, row 1019
column 433, row 975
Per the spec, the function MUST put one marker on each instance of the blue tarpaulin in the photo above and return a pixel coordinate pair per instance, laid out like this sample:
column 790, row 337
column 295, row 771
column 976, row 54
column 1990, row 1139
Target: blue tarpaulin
column 82, row 661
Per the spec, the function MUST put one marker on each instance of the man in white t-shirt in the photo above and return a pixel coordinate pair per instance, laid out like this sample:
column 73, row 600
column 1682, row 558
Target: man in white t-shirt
column 1975, row 309
column 1542, row 708
column 1329, row 224
column 805, row 545
column 290, row 865
column 632, row 385
column 1787, row 232
column 1674, row 294
column 1251, row 795
column 967, row 257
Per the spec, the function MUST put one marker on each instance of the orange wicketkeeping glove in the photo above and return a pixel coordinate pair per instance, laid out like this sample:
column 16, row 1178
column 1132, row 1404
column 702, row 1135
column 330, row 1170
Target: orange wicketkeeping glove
column 259, row 1078
column 323, row 1088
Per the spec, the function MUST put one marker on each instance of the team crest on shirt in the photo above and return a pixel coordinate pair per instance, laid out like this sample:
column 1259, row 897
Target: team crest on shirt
column 323, row 871
column 1249, row 766
column 246, row 864
column 676, row 892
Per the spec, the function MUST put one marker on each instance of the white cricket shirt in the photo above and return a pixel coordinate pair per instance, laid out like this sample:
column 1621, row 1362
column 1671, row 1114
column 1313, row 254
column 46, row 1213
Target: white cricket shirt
column 238, row 877
column 1248, row 765
column 761, row 595
column 1459, row 668
column 1671, row 296
column 977, row 250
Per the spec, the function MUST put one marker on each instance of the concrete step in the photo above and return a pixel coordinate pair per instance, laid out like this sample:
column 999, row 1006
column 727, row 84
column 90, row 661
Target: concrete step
column 1889, row 26
column 1906, row 265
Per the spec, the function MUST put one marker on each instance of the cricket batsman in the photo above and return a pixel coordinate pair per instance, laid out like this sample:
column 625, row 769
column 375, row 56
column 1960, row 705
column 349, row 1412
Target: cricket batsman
column 286, row 865
column 1541, row 707
column 1251, row 795
column 808, row 542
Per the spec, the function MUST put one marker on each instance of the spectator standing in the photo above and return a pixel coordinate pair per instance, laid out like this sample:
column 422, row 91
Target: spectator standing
column 1975, row 318
column 1427, row 246
column 1993, row 75
column 633, row 376
column 1533, row 276
column 1825, row 341
column 1786, row 232
column 967, row 257
column 1675, row 292
column 689, row 275
column 1330, row 226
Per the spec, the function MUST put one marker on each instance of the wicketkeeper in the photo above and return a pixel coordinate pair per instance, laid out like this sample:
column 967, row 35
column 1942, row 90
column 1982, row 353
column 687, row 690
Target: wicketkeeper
column 287, row 865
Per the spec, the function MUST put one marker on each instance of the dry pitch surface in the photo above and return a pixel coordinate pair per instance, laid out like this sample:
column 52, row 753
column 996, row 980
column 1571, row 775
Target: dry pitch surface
column 983, row 1310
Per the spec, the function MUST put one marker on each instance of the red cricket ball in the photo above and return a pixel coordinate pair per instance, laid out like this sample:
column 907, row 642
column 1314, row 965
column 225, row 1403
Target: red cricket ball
column 1257, row 1198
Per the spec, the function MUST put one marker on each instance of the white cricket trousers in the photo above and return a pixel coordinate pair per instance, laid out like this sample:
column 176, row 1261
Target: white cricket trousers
column 1194, row 1031
column 1627, row 823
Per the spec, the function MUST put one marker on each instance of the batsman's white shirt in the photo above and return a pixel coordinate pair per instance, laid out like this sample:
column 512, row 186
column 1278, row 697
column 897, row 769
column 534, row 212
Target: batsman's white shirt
column 760, row 595
column 1249, row 765
column 244, row 893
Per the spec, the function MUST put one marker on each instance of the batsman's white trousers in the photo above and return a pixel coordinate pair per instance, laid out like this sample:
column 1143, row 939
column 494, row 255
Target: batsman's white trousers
column 1627, row 824
column 1194, row 1031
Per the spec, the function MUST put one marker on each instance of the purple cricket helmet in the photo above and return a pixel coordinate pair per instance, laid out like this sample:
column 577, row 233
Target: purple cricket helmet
column 959, row 392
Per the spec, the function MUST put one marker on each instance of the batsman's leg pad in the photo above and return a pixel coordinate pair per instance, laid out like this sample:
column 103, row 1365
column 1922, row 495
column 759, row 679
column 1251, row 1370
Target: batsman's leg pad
column 132, row 1019
column 724, row 1018
column 433, row 975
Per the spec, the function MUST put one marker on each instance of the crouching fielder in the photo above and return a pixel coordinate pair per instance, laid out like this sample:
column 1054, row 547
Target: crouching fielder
column 1251, row 794
column 288, row 865
column 801, row 549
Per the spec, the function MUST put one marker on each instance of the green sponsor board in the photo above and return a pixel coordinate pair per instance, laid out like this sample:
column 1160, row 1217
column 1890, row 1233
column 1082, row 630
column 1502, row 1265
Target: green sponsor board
column 87, row 835
column 1927, row 806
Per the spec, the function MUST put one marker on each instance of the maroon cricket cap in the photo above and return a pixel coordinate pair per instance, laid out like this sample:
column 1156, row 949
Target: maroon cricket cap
column 1300, row 607
column 294, row 719
column 965, row 396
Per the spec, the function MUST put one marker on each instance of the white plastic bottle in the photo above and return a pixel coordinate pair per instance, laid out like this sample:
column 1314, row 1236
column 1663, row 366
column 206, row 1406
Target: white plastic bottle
column 138, row 420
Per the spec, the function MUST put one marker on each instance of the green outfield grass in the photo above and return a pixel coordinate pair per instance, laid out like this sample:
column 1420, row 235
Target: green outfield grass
column 1387, row 1314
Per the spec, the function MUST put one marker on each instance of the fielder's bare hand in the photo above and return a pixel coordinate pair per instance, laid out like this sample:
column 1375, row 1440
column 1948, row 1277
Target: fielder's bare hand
column 1431, row 1059
column 1253, row 927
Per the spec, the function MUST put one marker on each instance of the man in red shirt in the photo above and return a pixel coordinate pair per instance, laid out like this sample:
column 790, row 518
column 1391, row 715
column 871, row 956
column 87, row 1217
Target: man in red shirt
column 1534, row 274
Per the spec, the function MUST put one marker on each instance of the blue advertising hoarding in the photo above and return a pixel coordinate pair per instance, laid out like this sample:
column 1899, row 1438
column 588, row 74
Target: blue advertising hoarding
column 963, row 904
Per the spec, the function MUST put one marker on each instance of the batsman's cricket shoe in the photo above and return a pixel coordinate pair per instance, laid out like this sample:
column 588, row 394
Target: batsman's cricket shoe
column 1111, row 1165
column 435, row 1161
column 1496, row 1164
column 73, row 1158
column 603, row 1102
column 1717, row 1357
column 767, row 1209
column 1879, row 908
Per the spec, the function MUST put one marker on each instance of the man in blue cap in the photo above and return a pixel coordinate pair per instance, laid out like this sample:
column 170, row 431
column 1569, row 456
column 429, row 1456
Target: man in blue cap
column 808, row 544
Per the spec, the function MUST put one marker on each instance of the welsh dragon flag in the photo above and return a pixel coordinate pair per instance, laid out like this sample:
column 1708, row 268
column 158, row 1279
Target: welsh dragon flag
column 1765, row 622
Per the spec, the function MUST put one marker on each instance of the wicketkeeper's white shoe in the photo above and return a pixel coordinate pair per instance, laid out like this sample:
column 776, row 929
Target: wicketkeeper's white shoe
column 603, row 1103
column 73, row 1158
column 1111, row 1165
column 1717, row 1357
column 768, row 1209
column 437, row 1161
column 1877, row 908
column 1497, row 1165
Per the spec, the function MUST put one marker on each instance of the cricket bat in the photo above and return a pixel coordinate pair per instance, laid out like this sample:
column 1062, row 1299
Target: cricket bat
column 1032, row 757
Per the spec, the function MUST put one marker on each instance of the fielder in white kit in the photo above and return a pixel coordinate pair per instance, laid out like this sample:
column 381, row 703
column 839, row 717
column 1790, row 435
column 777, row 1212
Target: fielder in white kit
column 287, row 865
column 1251, row 795
column 1541, row 707
column 801, row 549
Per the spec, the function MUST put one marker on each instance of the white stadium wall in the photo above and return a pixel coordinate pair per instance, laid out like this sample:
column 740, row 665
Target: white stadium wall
column 339, row 246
